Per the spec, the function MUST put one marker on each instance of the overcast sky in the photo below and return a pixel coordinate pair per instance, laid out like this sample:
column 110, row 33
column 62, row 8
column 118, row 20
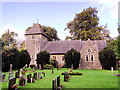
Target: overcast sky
column 17, row 16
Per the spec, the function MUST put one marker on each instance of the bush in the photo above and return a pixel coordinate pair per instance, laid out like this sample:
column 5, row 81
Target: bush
column 48, row 66
column 54, row 62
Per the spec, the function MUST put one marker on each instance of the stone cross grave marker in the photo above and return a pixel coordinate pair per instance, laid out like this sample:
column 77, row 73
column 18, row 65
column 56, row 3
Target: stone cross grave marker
column 11, row 74
column 11, row 84
column 39, row 75
column 35, row 76
column 17, row 74
column 22, row 81
column 54, row 87
column 3, row 77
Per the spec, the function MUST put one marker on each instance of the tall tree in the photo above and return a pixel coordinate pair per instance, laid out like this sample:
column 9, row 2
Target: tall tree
column 86, row 25
column 50, row 32
column 107, row 58
column 72, row 57
column 9, row 39
column 43, row 58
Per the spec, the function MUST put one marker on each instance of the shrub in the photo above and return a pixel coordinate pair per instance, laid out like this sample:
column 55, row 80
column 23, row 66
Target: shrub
column 48, row 66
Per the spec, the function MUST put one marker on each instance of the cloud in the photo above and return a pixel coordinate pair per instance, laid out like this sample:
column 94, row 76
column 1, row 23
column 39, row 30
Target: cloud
column 106, row 6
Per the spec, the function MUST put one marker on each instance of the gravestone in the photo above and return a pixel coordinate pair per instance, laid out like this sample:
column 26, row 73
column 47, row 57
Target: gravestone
column 10, row 68
column 11, row 74
column 11, row 85
column 40, row 66
column 54, row 87
column 17, row 74
column 66, row 76
column 29, row 78
column 22, row 81
column 52, row 71
column 35, row 76
column 39, row 75
column 3, row 77
column 58, row 81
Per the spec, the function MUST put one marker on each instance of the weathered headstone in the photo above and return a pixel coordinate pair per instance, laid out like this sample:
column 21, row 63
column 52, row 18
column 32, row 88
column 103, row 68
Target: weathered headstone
column 66, row 76
column 112, row 69
column 10, row 68
column 35, row 76
column 22, row 81
column 17, row 74
column 54, row 87
column 3, row 77
column 52, row 71
column 58, row 81
column 11, row 74
column 29, row 78
column 11, row 84
column 39, row 75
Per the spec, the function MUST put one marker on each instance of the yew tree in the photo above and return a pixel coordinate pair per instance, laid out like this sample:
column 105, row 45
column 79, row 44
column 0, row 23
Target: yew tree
column 86, row 25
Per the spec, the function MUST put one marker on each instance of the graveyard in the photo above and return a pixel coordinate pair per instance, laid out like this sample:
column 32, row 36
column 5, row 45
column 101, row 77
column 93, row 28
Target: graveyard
column 49, row 79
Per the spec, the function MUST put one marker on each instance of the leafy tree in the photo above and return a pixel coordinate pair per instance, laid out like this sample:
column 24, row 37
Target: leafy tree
column 24, row 58
column 10, row 57
column 9, row 39
column 107, row 58
column 117, row 47
column 22, row 45
column 43, row 58
column 86, row 25
column 72, row 57
column 50, row 32
column 111, row 44
column 54, row 62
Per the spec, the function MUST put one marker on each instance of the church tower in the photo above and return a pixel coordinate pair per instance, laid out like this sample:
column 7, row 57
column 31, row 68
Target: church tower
column 35, row 38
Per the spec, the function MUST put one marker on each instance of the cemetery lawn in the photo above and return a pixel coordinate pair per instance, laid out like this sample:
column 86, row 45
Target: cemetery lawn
column 89, row 79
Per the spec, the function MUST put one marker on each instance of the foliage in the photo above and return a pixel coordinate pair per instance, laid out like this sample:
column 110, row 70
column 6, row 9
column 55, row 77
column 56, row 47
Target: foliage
column 9, row 39
column 43, row 58
column 117, row 47
column 72, row 57
column 24, row 58
column 107, row 58
column 54, row 62
column 22, row 45
column 10, row 57
column 85, row 25
column 111, row 44
column 50, row 32
column 48, row 66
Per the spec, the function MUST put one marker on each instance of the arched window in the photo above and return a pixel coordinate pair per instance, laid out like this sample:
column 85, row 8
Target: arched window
column 86, row 57
column 92, row 58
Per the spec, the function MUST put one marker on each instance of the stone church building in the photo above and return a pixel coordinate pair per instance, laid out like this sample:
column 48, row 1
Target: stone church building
column 36, row 41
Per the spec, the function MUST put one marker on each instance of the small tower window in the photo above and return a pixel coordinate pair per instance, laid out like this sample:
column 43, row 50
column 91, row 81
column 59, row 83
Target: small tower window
column 91, row 57
column 33, row 37
column 86, row 57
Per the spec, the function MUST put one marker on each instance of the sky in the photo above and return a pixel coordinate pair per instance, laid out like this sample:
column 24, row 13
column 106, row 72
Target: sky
column 18, row 16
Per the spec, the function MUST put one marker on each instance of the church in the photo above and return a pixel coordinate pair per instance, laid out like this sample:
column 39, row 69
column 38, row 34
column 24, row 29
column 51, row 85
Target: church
column 36, row 40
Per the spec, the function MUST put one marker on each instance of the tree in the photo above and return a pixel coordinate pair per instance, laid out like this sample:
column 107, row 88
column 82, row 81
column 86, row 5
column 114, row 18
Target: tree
column 9, row 39
column 86, row 25
column 24, row 58
column 10, row 57
column 117, row 48
column 43, row 58
column 111, row 44
column 72, row 57
column 107, row 58
column 22, row 45
column 50, row 32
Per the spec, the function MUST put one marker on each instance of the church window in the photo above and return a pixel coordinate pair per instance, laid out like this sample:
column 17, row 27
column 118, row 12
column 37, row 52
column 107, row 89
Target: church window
column 54, row 57
column 33, row 37
column 91, row 57
column 63, row 58
column 86, row 57
column 89, row 50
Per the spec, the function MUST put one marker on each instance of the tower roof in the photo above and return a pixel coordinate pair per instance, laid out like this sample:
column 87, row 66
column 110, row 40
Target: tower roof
column 35, row 29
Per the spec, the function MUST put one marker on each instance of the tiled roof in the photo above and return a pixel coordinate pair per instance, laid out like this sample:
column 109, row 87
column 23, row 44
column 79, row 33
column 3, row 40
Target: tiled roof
column 35, row 29
column 64, row 46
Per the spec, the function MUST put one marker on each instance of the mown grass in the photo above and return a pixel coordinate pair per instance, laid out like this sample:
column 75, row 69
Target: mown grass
column 89, row 79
